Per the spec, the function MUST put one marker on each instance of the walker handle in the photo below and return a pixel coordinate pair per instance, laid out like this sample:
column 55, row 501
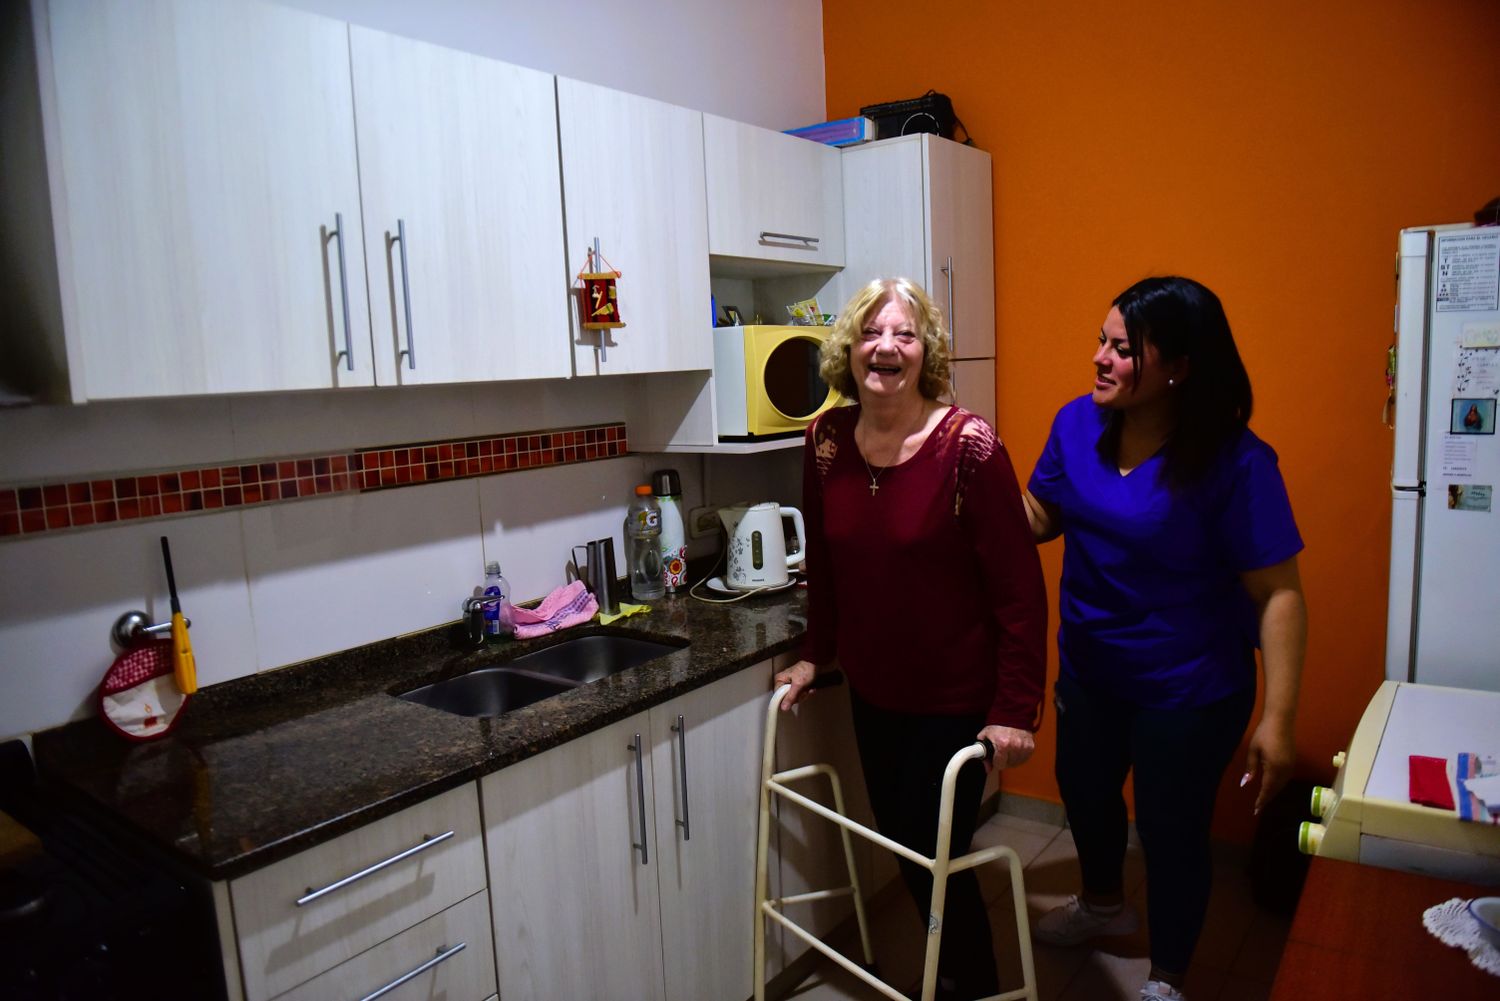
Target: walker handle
column 989, row 750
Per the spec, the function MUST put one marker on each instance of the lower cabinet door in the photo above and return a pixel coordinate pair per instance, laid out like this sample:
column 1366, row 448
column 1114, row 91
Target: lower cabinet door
column 575, row 905
column 706, row 754
column 450, row 955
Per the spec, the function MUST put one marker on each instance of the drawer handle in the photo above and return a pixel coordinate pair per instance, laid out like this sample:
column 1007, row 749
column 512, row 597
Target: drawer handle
column 810, row 241
column 435, row 960
column 312, row 894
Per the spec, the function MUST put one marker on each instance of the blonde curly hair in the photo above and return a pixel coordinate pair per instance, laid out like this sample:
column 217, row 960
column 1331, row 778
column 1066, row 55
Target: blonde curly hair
column 833, row 359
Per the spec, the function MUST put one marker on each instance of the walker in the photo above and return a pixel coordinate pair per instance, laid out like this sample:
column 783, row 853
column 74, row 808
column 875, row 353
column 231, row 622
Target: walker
column 941, row 866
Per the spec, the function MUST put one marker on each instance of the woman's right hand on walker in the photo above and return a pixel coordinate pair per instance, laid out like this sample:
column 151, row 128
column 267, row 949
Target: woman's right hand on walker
column 799, row 676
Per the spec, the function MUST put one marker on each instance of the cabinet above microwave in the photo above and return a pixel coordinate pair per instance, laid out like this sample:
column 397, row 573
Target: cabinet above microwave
column 772, row 197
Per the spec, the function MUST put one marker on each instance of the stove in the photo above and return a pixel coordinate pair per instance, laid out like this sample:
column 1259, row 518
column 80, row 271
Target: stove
column 84, row 913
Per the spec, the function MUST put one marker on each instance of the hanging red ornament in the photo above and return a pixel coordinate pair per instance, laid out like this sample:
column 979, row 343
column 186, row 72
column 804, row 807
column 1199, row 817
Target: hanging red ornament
column 599, row 303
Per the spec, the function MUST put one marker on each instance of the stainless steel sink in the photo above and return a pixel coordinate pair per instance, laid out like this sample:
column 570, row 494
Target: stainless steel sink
column 490, row 691
column 589, row 658
column 493, row 691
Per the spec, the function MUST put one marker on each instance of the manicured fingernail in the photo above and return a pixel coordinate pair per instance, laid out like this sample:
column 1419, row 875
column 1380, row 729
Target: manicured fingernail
column 1244, row 780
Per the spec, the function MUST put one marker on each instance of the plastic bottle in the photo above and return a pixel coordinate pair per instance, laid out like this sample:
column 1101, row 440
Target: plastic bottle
column 643, row 546
column 496, row 615
column 668, row 489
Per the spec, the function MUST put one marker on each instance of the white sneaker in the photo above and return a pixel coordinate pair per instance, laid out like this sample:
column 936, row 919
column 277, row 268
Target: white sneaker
column 1076, row 922
column 1160, row 990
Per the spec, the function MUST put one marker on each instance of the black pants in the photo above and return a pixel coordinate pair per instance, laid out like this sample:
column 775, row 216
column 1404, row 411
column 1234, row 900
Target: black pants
column 903, row 757
column 1178, row 757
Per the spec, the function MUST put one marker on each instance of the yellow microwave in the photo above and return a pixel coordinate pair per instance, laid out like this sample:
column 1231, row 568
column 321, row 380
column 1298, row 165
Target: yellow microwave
column 766, row 382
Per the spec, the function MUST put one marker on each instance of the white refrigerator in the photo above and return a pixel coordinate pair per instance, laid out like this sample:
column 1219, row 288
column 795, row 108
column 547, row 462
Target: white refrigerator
column 1444, row 621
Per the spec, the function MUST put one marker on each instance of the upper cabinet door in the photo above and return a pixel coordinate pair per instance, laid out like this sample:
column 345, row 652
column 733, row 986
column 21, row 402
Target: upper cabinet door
column 200, row 155
column 772, row 196
column 920, row 207
column 633, row 180
column 463, row 214
column 962, row 243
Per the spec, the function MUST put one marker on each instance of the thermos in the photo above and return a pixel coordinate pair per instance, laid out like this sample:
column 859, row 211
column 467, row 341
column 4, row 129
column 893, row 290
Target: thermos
column 667, row 486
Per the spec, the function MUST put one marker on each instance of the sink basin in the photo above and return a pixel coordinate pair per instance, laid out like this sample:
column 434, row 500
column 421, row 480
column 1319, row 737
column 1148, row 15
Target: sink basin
column 490, row 691
column 590, row 658
column 493, row 691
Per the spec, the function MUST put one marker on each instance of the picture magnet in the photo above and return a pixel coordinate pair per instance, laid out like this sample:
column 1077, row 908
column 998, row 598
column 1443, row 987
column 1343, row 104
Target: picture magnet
column 1469, row 496
column 1472, row 416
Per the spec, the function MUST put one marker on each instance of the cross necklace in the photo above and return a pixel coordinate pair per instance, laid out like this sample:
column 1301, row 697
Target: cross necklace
column 874, row 476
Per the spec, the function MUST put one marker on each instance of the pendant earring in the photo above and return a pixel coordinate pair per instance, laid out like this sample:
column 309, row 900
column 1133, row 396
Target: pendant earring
column 1171, row 382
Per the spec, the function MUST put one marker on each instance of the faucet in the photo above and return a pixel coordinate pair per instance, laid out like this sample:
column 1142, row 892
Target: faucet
column 473, row 612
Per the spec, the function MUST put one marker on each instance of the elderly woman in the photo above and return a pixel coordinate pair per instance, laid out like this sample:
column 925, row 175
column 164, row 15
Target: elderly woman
column 924, row 583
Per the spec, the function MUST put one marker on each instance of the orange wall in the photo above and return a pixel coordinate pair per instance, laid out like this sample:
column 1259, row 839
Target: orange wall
column 1271, row 150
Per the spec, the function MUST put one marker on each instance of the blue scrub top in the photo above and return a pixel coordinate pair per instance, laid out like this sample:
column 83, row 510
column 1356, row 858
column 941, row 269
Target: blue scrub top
column 1152, row 607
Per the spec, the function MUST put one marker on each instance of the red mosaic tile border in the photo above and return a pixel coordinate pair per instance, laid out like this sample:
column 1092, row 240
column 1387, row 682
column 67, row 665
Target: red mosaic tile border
column 36, row 509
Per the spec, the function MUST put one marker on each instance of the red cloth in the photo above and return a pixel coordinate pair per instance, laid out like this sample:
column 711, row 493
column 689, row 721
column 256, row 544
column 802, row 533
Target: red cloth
column 1429, row 782
column 929, row 591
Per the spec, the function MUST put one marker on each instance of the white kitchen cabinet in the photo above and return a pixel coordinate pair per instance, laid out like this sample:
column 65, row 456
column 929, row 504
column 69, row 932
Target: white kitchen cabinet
column 633, row 180
column 379, row 881
column 575, row 903
column 707, row 785
column 198, row 159
column 459, row 154
column 579, row 912
column 772, row 196
column 921, row 207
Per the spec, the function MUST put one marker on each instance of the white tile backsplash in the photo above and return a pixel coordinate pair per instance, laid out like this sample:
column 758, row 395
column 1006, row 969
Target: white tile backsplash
column 50, row 443
column 337, row 572
column 60, row 594
column 297, row 423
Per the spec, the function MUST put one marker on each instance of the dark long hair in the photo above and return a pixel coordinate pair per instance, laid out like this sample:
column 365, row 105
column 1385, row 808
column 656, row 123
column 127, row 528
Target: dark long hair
column 1183, row 319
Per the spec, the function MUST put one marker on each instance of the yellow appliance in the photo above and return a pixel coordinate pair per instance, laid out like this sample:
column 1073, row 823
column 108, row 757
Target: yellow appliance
column 766, row 382
column 1367, row 815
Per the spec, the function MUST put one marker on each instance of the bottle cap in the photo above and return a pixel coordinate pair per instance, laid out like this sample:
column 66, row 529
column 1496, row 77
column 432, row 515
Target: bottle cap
column 666, row 483
column 493, row 566
column 644, row 490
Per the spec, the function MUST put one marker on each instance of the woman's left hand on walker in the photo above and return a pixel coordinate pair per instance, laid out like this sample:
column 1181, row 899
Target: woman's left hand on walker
column 1273, row 751
column 1012, row 746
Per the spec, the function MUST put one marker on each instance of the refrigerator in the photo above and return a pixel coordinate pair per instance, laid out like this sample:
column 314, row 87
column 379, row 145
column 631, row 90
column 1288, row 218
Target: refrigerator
column 1444, row 619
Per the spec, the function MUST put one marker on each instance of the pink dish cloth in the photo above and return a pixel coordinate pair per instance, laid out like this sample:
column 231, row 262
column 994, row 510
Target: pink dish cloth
column 569, row 605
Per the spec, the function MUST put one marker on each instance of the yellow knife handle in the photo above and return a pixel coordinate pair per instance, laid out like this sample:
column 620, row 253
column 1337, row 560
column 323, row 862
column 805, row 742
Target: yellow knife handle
column 184, row 667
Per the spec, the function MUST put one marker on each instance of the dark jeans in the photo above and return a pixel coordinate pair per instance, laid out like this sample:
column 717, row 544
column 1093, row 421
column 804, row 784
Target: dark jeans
column 1178, row 757
column 903, row 757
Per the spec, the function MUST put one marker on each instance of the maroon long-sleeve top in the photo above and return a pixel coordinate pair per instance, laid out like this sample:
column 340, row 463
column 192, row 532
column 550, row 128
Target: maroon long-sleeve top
column 928, row 590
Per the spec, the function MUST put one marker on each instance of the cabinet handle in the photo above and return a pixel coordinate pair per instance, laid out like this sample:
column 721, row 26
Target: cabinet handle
column 435, row 960
column 338, row 238
column 681, row 731
column 312, row 894
column 640, row 791
column 410, row 353
column 809, row 242
column 948, row 270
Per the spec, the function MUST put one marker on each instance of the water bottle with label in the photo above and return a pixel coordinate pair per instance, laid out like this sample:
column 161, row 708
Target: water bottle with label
column 496, row 613
column 643, row 545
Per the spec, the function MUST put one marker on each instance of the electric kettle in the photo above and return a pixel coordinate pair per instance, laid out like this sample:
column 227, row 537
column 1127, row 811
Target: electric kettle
column 757, row 548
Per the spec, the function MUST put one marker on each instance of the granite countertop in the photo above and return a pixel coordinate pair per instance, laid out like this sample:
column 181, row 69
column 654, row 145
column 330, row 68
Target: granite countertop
column 264, row 767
